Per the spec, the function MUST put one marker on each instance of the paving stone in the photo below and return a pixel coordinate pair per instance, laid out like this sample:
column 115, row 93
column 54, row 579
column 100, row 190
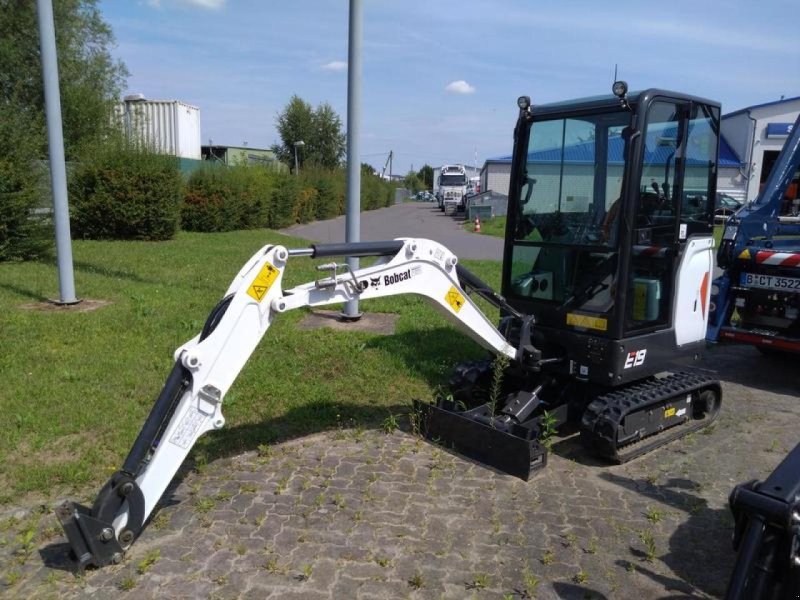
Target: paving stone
column 408, row 508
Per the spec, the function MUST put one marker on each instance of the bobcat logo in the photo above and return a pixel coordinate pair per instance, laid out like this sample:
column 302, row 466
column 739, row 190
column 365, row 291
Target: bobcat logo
column 376, row 281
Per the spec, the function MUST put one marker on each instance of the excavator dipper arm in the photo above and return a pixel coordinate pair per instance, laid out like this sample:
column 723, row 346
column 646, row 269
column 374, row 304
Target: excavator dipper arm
column 206, row 366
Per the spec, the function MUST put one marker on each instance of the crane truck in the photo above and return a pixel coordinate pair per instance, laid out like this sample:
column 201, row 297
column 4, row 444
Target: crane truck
column 756, row 300
column 605, row 293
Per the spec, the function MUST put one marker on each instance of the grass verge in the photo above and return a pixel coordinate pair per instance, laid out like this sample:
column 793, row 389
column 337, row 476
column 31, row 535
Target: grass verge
column 77, row 386
column 495, row 226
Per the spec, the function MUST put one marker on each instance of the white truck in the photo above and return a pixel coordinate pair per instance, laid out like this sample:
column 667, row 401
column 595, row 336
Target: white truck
column 452, row 188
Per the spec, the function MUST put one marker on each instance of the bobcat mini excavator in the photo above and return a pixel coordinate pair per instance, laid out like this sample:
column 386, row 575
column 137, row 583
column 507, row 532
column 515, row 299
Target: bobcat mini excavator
column 605, row 286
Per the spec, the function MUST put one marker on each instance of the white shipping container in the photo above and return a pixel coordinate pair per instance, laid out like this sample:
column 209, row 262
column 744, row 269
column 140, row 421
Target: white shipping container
column 169, row 126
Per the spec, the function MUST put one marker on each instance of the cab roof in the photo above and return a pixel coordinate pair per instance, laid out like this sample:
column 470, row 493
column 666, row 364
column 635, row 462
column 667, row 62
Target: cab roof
column 610, row 101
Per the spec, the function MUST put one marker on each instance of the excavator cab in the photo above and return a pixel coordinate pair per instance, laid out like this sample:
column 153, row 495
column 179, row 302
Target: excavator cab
column 606, row 282
column 606, row 194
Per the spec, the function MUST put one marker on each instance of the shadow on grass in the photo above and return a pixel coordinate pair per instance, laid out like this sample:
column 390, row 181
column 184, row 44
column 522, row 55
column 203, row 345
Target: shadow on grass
column 28, row 293
column 309, row 419
column 431, row 354
column 700, row 551
column 104, row 271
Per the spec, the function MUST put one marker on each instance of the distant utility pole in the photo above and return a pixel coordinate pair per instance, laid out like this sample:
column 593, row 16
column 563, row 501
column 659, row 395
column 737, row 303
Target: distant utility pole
column 55, row 143
column 353, row 218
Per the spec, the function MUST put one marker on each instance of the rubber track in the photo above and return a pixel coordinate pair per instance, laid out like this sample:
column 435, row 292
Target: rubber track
column 603, row 416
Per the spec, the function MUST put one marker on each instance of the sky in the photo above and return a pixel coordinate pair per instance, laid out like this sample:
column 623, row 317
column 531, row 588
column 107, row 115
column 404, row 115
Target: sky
column 440, row 78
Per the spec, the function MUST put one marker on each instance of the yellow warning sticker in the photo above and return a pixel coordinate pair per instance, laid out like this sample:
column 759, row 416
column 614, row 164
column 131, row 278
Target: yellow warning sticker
column 454, row 299
column 263, row 281
column 745, row 255
column 586, row 321
column 670, row 412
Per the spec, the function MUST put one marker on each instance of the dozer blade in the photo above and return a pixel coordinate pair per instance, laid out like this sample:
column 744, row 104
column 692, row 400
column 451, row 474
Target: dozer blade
column 486, row 444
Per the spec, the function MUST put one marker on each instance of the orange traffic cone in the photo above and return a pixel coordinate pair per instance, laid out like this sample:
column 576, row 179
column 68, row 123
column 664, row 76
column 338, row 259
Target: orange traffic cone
column 477, row 228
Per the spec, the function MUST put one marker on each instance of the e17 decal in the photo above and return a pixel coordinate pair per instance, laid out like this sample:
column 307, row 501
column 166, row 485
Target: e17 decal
column 635, row 358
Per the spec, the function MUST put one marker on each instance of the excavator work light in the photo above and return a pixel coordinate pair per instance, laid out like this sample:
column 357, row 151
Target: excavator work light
column 619, row 89
column 524, row 102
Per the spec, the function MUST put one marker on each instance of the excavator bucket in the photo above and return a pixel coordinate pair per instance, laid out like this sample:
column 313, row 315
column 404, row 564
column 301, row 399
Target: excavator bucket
column 463, row 432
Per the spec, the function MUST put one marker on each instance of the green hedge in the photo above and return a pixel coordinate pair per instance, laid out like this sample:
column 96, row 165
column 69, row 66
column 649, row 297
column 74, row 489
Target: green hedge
column 124, row 191
column 24, row 232
column 221, row 198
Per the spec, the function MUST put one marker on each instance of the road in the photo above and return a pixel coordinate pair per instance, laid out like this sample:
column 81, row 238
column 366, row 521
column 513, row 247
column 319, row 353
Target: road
column 413, row 219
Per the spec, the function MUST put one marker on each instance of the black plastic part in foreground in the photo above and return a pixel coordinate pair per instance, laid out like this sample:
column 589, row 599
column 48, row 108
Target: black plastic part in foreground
column 386, row 248
column 503, row 451
column 767, row 535
column 92, row 541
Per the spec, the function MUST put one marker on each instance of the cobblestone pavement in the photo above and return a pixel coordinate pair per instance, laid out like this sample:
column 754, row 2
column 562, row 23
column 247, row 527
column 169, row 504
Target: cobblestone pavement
column 365, row 514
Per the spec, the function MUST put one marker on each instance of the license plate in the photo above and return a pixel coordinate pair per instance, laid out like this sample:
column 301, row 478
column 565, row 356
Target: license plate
column 769, row 282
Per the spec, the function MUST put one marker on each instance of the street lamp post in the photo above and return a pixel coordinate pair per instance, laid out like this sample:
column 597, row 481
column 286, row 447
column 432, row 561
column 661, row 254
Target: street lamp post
column 296, row 166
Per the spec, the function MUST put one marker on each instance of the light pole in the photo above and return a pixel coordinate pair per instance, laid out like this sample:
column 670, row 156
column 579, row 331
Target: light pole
column 353, row 215
column 55, row 145
column 296, row 144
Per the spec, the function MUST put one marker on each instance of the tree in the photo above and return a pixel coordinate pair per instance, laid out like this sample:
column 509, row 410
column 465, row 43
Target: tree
column 412, row 182
column 21, row 237
column 425, row 175
column 90, row 81
column 319, row 129
column 90, row 78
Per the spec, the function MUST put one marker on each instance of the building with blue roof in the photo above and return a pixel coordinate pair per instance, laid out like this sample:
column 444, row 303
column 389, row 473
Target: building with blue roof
column 756, row 135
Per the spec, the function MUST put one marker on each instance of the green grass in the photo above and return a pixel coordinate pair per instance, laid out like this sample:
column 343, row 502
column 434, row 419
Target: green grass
column 78, row 386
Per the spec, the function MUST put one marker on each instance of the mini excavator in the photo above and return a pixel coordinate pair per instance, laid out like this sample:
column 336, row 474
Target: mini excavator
column 605, row 292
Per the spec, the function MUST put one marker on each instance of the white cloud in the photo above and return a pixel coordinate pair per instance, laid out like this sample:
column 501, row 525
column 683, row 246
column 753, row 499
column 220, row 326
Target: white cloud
column 209, row 4
column 459, row 87
column 154, row 3
column 335, row 65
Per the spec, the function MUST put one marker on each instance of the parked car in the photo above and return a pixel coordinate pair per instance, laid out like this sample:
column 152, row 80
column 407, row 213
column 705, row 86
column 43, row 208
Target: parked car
column 726, row 205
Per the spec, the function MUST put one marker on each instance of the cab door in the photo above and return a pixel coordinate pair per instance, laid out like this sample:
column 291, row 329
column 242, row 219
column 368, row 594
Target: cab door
column 655, row 213
column 672, row 205
column 696, row 217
